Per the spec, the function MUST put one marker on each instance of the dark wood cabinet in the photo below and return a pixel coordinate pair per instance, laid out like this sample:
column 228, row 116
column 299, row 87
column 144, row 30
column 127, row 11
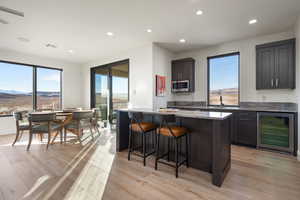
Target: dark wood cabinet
column 243, row 128
column 246, row 128
column 275, row 65
column 184, row 69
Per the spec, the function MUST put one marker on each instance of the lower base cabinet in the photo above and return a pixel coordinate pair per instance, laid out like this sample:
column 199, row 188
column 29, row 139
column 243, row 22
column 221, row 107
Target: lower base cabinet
column 246, row 128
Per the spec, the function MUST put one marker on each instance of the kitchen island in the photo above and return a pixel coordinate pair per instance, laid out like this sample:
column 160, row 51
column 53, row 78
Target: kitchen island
column 209, row 137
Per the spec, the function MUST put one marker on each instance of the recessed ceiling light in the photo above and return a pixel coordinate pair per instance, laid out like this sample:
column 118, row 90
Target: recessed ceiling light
column 109, row 33
column 199, row 12
column 149, row 30
column 71, row 51
column 182, row 41
column 22, row 39
column 252, row 21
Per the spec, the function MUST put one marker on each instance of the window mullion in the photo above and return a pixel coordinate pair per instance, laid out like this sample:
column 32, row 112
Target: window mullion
column 34, row 90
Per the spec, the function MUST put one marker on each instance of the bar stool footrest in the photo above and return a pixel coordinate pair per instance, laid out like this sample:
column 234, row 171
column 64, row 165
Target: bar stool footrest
column 141, row 155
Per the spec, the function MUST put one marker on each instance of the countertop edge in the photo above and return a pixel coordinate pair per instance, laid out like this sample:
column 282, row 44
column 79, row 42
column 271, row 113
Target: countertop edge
column 234, row 109
column 182, row 115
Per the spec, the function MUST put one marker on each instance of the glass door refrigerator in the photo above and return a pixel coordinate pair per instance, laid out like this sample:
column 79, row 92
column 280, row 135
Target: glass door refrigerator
column 276, row 131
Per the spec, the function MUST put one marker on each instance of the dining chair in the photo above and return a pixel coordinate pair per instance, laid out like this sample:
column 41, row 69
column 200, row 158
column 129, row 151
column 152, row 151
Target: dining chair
column 22, row 124
column 96, row 118
column 43, row 123
column 80, row 121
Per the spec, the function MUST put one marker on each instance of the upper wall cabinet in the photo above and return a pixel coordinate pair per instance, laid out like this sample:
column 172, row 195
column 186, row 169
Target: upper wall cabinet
column 183, row 75
column 275, row 65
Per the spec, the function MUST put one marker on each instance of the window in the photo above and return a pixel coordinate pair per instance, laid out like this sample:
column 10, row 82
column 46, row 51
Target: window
column 48, row 89
column 26, row 87
column 15, row 88
column 223, row 80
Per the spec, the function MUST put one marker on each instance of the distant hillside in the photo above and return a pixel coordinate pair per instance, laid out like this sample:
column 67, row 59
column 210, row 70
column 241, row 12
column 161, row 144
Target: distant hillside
column 13, row 94
column 225, row 91
column 7, row 96
column 48, row 94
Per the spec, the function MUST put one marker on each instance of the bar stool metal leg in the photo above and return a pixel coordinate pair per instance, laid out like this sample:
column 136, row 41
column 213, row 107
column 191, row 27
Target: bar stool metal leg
column 130, row 143
column 187, row 150
column 169, row 149
column 157, row 150
column 144, row 148
column 176, row 157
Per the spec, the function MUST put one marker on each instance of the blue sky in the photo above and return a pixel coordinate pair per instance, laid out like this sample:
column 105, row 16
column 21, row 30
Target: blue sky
column 19, row 78
column 224, row 72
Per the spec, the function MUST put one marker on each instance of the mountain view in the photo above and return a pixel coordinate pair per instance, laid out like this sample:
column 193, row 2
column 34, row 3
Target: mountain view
column 12, row 100
column 16, row 87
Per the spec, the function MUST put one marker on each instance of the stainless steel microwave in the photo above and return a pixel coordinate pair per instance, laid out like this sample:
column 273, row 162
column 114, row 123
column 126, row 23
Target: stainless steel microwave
column 181, row 86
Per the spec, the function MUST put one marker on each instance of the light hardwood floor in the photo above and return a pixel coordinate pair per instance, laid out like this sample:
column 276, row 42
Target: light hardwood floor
column 95, row 171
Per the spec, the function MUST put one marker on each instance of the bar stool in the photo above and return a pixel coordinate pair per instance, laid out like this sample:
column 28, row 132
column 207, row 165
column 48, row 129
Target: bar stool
column 171, row 132
column 138, row 126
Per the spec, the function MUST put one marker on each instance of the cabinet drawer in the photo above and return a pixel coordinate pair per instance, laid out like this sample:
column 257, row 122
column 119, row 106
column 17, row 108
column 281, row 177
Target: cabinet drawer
column 246, row 128
column 247, row 115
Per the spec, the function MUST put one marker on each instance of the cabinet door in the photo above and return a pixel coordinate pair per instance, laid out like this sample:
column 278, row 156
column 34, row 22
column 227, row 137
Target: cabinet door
column 284, row 67
column 247, row 128
column 175, row 71
column 188, row 73
column 187, row 70
column 265, row 64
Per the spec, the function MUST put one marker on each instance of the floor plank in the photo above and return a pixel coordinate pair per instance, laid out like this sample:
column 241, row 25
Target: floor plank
column 96, row 171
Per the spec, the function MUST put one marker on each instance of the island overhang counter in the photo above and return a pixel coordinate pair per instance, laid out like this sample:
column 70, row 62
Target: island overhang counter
column 209, row 137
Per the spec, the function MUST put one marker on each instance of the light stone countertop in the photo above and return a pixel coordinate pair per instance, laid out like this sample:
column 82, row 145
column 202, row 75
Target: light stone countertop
column 182, row 113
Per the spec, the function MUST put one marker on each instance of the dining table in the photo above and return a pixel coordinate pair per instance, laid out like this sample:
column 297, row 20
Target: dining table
column 62, row 117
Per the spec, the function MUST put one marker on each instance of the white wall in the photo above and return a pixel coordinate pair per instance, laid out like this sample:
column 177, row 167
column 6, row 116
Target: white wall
column 297, row 33
column 140, row 75
column 161, row 66
column 248, row 90
column 71, row 82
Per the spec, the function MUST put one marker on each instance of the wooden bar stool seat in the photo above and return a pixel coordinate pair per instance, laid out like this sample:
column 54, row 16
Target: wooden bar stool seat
column 176, row 133
column 172, row 131
column 143, row 126
column 137, row 125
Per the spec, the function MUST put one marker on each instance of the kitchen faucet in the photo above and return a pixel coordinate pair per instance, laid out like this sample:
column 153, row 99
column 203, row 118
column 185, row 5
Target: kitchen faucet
column 221, row 101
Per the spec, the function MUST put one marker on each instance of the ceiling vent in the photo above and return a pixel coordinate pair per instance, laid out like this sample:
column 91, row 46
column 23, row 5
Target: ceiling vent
column 10, row 11
column 51, row 46
column 22, row 39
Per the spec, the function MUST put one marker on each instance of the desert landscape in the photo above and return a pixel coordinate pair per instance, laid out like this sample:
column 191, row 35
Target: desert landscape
column 230, row 96
column 11, row 101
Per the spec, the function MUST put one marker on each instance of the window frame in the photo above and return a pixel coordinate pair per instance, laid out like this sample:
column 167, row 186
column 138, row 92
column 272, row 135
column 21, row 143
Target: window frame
column 34, row 82
column 208, row 76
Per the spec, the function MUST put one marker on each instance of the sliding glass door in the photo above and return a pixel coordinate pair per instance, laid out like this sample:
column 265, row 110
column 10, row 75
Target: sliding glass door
column 101, row 93
column 109, row 91
column 119, row 88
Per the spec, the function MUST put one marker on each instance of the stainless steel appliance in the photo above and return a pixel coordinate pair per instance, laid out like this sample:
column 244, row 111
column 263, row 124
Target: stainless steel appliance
column 275, row 131
column 181, row 86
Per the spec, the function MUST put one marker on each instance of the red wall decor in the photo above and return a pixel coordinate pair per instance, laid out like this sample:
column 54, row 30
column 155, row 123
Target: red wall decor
column 160, row 86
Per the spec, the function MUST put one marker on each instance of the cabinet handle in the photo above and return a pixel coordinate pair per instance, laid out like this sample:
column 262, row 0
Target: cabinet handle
column 272, row 84
column 277, row 81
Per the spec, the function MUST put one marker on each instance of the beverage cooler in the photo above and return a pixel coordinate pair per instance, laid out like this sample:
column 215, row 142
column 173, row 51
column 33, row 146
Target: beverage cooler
column 275, row 131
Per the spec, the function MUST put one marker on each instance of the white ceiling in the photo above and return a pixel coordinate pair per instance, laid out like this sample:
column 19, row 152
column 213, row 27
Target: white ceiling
column 81, row 25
